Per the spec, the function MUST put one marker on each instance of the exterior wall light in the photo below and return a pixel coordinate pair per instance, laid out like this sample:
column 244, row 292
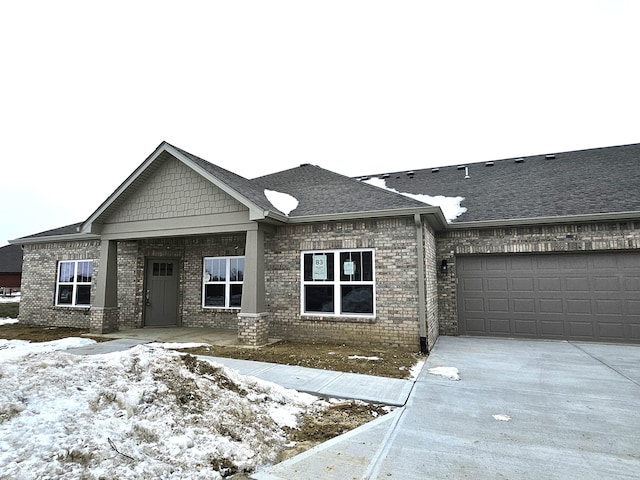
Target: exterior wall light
column 444, row 267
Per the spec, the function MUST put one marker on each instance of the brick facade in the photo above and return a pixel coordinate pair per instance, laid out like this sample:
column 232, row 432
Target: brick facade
column 39, row 270
column 580, row 237
column 396, row 273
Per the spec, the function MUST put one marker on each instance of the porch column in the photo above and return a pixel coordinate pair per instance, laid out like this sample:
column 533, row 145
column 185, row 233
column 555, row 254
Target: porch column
column 104, row 310
column 253, row 320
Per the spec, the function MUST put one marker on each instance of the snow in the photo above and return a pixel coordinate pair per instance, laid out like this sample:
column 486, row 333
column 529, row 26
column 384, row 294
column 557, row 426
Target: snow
column 147, row 412
column 7, row 321
column 282, row 201
column 450, row 206
column 416, row 369
column 10, row 298
column 502, row 417
column 450, row 373
column 360, row 357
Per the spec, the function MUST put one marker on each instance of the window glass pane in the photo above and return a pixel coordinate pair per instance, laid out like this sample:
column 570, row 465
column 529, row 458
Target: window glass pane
column 85, row 271
column 65, row 294
column 83, row 295
column 214, row 295
column 67, row 271
column 357, row 298
column 318, row 267
column 217, row 268
column 169, row 269
column 236, row 295
column 236, row 271
column 367, row 266
column 351, row 266
column 318, row 298
column 156, row 269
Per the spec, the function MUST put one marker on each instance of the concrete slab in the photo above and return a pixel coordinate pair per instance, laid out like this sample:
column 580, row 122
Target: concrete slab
column 108, row 347
column 389, row 391
column 522, row 409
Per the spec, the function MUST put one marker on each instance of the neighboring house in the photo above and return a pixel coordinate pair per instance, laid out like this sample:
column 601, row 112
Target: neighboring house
column 538, row 247
column 10, row 268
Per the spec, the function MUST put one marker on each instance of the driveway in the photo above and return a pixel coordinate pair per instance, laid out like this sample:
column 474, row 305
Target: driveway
column 523, row 409
column 563, row 410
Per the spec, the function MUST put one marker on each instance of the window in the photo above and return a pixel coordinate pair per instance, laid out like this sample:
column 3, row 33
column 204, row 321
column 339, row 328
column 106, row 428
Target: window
column 338, row 282
column 222, row 282
column 73, row 286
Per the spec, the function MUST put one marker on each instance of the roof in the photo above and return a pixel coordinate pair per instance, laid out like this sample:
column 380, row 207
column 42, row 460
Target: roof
column 11, row 259
column 322, row 192
column 578, row 183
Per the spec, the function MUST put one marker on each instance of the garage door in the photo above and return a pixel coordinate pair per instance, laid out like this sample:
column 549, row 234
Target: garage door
column 591, row 297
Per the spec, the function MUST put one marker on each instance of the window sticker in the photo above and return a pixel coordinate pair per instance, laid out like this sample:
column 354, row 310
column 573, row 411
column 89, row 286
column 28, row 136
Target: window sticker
column 319, row 267
column 349, row 268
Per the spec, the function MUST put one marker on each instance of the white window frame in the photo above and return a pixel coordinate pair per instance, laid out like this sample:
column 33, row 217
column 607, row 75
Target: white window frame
column 337, row 283
column 74, row 283
column 227, row 282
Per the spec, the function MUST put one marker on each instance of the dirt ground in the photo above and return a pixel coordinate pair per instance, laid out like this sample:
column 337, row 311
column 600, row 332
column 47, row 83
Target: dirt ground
column 314, row 428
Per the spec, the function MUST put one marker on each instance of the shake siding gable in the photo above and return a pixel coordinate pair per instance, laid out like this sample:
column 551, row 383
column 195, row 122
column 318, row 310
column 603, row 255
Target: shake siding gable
column 174, row 191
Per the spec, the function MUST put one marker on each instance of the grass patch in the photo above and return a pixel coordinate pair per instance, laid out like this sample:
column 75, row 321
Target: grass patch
column 9, row 309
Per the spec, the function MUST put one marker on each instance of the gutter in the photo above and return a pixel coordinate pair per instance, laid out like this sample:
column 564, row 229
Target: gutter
column 594, row 217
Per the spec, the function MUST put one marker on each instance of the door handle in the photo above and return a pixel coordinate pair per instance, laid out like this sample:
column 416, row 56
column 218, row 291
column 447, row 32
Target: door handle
column 147, row 297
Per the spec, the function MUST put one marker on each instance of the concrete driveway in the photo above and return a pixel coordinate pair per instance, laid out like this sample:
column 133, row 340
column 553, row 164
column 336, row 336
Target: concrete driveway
column 562, row 410
column 523, row 409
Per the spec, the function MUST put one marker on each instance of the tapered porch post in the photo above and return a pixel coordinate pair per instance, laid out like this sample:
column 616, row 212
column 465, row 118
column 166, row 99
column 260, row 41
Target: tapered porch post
column 253, row 320
column 104, row 309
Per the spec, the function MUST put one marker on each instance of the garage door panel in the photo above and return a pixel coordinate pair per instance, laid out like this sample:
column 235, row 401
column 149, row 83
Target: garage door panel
column 549, row 284
column 606, row 284
column 579, row 306
column 579, row 296
column 608, row 307
column 499, row 326
column 524, row 305
column 577, row 284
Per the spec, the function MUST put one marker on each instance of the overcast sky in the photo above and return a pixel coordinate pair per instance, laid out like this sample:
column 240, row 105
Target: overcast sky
column 89, row 89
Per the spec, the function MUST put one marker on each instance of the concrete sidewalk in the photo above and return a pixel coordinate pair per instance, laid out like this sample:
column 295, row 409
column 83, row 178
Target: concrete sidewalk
column 389, row 391
column 522, row 409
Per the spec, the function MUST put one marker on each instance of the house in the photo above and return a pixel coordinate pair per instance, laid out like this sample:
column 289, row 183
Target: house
column 10, row 268
column 545, row 246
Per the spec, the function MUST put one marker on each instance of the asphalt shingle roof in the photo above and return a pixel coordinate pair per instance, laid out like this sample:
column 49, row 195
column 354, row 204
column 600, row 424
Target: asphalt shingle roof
column 322, row 192
column 600, row 180
column 11, row 259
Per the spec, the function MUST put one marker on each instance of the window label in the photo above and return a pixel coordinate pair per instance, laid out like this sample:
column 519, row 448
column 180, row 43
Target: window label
column 349, row 268
column 319, row 267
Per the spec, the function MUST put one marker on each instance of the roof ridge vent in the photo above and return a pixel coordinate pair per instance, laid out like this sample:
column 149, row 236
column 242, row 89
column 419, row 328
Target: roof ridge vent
column 519, row 160
column 550, row 156
column 384, row 175
column 461, row 167
column 435, row 170
column 411, row 173
column 489, row 164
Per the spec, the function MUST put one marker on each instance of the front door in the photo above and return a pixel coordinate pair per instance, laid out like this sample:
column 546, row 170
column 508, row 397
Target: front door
column 161, row 293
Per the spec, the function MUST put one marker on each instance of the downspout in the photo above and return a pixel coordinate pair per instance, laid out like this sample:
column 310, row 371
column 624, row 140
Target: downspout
column 422, row 296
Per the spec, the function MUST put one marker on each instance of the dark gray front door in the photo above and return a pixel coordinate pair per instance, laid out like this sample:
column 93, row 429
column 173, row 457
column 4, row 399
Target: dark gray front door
column 581, row 296
column 161, row 294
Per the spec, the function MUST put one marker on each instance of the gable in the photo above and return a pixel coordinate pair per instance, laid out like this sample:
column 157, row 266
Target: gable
column 173, row 191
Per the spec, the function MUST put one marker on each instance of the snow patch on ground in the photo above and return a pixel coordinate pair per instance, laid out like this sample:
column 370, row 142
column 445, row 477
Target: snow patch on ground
column 502, row 418
column 450, row 206
column 143, row 413
column 282, row 201
column 7, row 321
column 416, row 369
column 177, row 345
column 360, row 357
column 450, row 373
column 10, row 298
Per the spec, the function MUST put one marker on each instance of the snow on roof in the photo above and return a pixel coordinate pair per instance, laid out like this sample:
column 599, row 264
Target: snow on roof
column 282, row 201
column 450, row 206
